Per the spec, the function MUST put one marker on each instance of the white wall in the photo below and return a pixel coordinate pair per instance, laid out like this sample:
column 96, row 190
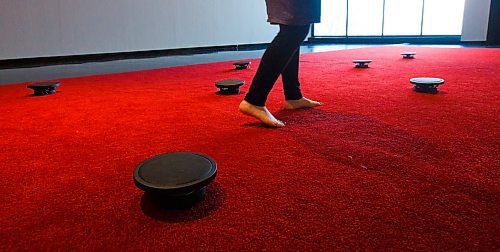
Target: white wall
column 476, row 16
column 38, row 28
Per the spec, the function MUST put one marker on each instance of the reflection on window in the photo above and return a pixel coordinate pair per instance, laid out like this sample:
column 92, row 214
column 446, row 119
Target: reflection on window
column 333, row 18
column 365, row 17
column 403, row 17
column 443, row 17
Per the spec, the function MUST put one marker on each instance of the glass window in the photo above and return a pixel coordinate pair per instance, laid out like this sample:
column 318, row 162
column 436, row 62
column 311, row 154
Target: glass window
column 398, row 17
column 333, row 18
column 365, row 17
column 403, row 17
column 443, row 17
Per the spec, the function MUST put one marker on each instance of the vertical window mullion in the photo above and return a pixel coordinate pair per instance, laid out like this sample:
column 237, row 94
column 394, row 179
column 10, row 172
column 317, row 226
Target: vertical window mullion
column 347, row 20
column 422, row 20
column 383, row 18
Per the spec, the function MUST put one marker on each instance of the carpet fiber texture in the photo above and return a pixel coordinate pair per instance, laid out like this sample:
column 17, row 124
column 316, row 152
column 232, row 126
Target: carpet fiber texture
column 378, row 167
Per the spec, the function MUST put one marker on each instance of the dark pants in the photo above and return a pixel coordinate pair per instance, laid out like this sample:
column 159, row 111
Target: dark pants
column 280, row 57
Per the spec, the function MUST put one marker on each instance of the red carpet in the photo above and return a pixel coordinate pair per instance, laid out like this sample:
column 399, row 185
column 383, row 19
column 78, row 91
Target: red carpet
column 378, row 167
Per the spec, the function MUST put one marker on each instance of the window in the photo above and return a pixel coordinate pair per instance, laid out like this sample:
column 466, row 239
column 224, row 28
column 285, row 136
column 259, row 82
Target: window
column 443, row 17
column 365, row 17
column 390, row 18
column 403, row 17
column 333, row 18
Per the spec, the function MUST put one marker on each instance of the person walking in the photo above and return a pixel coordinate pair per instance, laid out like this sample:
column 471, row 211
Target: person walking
column 281, row 57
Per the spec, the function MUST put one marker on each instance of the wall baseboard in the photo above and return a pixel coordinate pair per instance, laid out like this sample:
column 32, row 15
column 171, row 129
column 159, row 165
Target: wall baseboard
column 388, row 39
column 79, row 59
column 479, row 43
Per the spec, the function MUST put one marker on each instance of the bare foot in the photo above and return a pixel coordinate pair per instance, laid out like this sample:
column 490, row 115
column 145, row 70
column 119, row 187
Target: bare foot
column 261, row 113
column 301, row 103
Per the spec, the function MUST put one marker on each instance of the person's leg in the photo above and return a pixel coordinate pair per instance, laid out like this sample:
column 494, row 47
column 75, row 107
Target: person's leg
column 290, row 77
column 291, row 85
column 273, row 62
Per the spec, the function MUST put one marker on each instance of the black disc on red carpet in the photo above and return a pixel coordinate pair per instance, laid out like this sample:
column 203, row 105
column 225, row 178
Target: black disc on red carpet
column 176, row 179
column 241, row 65
column 229, row 86
column 44, row 88
column 361, row 63
column 408, row 55
column 426, row 84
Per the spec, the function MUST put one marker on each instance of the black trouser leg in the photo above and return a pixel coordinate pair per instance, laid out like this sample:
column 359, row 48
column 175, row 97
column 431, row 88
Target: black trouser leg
column 274, row 62
column 290, row 77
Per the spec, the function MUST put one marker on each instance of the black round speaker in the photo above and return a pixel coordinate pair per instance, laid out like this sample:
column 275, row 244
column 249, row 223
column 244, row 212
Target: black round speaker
column 361, row 63
column 176, row 179
column 240, row 65
column 408, row 55
column 44, row 88
column 229, row 86
column 426, row 84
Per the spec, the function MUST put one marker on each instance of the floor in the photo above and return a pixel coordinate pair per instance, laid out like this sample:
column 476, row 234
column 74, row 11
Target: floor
column 378, row 167
column 10, row 76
